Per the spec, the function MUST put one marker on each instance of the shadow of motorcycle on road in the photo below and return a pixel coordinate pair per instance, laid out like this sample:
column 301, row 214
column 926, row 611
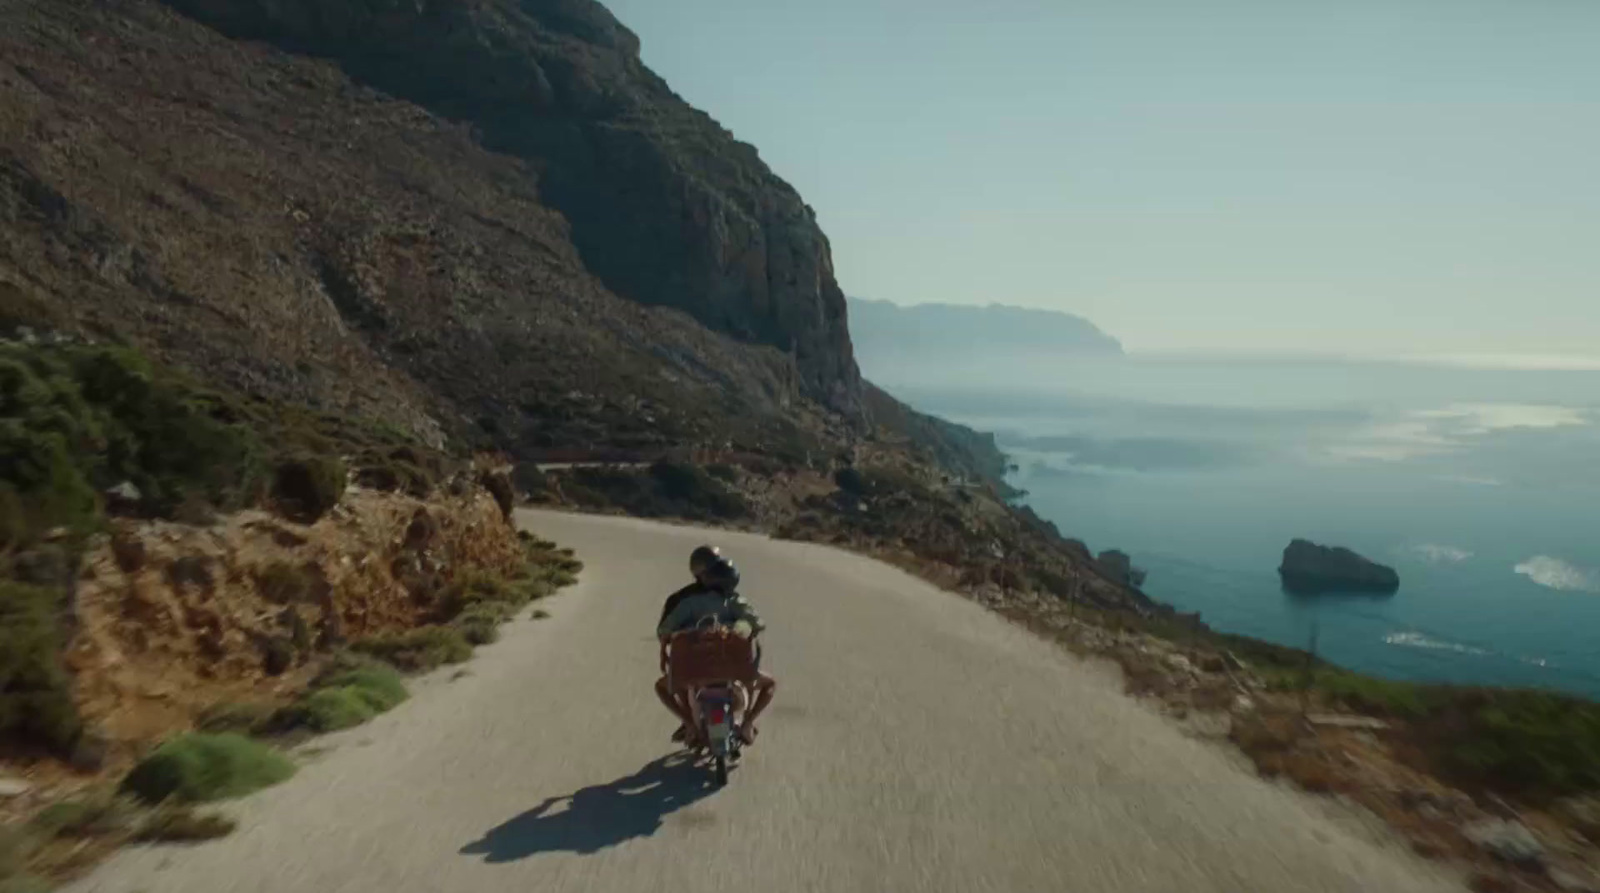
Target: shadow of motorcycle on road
column 598, row 816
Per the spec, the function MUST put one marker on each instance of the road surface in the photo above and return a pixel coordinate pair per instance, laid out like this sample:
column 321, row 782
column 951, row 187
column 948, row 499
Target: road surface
column 918, row 744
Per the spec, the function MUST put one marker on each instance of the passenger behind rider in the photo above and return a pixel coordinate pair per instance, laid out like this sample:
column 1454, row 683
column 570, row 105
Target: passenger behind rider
column 713, row 594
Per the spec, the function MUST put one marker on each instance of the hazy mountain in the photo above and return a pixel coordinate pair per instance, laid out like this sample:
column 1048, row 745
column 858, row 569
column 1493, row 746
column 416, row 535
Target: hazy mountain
column 885, row 331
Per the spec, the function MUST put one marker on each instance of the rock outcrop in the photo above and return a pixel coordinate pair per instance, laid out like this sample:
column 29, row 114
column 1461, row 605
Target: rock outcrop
column 1310, row 568
column 1116, row 564
column 243, row 608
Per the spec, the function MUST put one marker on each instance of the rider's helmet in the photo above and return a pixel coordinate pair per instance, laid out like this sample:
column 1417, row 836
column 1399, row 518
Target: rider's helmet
column 701, row 559
column 721, row 576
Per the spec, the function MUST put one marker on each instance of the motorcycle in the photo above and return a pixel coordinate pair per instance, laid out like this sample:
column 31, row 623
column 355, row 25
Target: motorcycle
column 719, row 726
column 713, row 663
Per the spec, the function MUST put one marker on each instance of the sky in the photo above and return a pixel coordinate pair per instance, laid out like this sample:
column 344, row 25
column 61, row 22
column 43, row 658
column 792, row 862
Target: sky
column 1361, row 177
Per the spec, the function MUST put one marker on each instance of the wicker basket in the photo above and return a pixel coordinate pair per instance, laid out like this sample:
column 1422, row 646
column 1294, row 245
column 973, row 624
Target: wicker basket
column 705, row 656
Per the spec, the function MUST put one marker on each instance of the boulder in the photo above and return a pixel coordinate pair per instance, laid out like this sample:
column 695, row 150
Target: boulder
column 1308, row 567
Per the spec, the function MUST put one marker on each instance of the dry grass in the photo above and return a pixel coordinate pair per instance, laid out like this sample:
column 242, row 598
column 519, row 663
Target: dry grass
column 71, row 836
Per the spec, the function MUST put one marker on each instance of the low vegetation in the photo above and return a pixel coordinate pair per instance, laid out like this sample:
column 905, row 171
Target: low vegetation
column 471, row 609
column 880, row 482
column 1537, row 745
column 666, row 489
column 417, row 650
column 348, row 694
column 36, row 703
column 69, row 836
column 197, row 767
column 1529, row 744
column 88, row 431
column 308, row 486
column 232, row 754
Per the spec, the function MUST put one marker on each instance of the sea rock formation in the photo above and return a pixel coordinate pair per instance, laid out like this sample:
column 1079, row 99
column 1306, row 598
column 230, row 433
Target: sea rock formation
column 1310, row 568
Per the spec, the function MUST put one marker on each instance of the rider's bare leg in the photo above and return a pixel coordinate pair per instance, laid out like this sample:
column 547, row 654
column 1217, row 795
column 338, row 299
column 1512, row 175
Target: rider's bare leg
column 765, row 686
column 674, row 701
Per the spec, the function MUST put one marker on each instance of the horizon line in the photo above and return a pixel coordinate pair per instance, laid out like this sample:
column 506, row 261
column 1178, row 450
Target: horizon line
column 1485, row 361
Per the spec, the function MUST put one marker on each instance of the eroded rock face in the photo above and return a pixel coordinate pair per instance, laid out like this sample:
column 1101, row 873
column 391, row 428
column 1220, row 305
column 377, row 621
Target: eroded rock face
column 1310, row 568
column 666, row 206
column 234, row 612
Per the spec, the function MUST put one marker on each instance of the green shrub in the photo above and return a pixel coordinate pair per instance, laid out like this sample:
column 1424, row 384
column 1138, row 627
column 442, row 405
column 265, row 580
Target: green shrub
column 163, row 437
column 331, row 709
column 200, row 766
column 35, row 691
column 481, row 623
column 1533, row 743
column 93, row 815
column 691, row 487
column 377, row 685
column 76, row 420
column 343, row 697
column 423, row 648
column 559, row 576
column 478, row 629
column 476, row 586
column 308, row 486
column 1367, row 694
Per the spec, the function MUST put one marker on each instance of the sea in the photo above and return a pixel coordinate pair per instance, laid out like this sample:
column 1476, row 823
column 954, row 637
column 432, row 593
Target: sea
column 1481, row 486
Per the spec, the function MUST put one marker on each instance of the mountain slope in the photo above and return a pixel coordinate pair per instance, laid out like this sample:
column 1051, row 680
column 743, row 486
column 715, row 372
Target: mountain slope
column 262, row 220
column 666, row 208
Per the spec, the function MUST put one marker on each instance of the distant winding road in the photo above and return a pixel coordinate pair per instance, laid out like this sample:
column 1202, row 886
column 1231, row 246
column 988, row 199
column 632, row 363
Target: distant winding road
column 918, row 743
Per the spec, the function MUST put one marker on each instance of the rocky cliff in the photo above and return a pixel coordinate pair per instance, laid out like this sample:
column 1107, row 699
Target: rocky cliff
column 665, row 206
column 269, row 223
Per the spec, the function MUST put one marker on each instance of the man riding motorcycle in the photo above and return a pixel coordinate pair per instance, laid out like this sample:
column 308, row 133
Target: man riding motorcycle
column 713, row 594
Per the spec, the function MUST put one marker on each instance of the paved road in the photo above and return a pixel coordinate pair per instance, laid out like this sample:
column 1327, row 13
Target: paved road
column 918, row 744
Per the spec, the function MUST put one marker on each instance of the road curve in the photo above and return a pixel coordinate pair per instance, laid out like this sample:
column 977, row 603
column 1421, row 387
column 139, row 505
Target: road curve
column 918, row 744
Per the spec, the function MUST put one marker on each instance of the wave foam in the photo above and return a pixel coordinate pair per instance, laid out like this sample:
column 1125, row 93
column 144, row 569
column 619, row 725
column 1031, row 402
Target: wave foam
column 1437, row 554
column 1418, row 640
column 1427, row 643
column 1555, row 573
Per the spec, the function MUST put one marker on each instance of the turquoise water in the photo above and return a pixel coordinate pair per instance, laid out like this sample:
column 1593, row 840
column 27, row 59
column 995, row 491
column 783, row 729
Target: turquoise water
column 1481, row 489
